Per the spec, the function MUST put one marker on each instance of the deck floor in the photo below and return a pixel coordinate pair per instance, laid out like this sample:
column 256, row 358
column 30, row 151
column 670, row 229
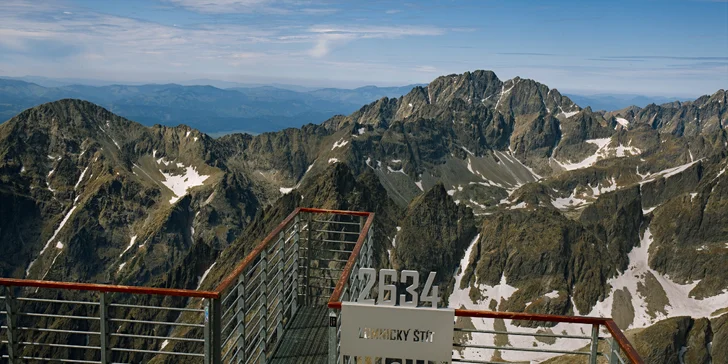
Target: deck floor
column 306, row 339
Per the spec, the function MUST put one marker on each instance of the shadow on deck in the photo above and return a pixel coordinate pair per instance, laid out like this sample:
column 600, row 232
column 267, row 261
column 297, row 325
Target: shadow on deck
column 306, row 339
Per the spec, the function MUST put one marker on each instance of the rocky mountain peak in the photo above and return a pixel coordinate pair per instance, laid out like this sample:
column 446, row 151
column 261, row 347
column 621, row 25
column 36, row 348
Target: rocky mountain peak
column 434, row 233
column 468, row 87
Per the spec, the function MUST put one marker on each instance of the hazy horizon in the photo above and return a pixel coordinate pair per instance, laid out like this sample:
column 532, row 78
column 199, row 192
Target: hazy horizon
column 226, row 84
column 676, row 48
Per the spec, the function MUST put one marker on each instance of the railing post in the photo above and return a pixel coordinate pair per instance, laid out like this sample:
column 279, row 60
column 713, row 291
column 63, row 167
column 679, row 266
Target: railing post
column 353, row 282
column 333, row 342
column 11, row 323
column 613, row 351
column 240, row 302
column 263, row 333
column 296, row 253
column 281, row 279
column 104, row 328
column 370, row 251
column 309, row 252
column 212, row 331
column 594, row 344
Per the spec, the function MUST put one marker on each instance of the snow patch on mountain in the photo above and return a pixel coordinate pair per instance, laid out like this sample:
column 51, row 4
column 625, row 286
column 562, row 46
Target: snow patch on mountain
column 340, row 143
column 460, row 298
column 622, row 121
column 680, row 303
column 204, row 275
column 53, row 237
column 131, row 244
column 667, row 173
column 419, row 185
column 110, row 137
column 603, row 151
column 504, row 92
column 180, row 184
column 391, row 170
column 80, row 178
column 569, row 114
column 520, row 205
column 467, row 151
column 565, row 203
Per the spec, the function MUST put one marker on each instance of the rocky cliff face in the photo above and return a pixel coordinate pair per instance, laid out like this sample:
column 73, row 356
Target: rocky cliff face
column 131, row 202
column 433, row 235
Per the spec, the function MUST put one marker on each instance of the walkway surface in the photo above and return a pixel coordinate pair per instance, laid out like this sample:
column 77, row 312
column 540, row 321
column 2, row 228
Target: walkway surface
column 306, row 339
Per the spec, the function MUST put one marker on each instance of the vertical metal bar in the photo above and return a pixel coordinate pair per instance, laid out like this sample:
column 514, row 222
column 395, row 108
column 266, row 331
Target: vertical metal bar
column 208, row 333
column 370, row 243
column 613, row 351
column 215, row 317
column 309, row 253
column 594, row 344
column 240, row 302
column 333, row 342
column 263, row 332
column 11, row 323
column 362, row 221
column 104, row 328
column 296, row 253
column 281, row 279
column 353, row 283
column 213, row 345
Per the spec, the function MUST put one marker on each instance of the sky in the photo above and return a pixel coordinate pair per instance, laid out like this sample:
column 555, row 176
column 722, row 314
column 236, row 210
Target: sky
column 652, row 47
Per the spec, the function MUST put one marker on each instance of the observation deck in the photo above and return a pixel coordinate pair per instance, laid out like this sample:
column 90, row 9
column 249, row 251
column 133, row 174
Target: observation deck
column 281, row 304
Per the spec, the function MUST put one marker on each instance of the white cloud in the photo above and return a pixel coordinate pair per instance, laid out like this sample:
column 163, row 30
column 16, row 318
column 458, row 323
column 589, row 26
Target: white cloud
column 326, row 42
column 254, row 6
column 222, row 6
column 393, row 11
column 377, row 31
column 41, row 40
column 328, row 36
column 427, row 69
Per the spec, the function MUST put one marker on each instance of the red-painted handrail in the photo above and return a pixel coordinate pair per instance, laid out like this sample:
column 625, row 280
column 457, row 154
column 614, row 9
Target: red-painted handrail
column 624, row 344
column 531, row 317
column 107, row 288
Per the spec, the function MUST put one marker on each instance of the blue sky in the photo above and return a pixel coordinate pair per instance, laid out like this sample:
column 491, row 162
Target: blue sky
column 653, row 47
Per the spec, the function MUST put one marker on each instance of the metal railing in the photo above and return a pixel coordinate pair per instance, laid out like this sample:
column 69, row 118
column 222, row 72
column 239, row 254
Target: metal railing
column 601, row 337
column 604, row 339
column 92, row 323
column 311, row 259
column 242, row 321
column 296, row 265
column 349, row 286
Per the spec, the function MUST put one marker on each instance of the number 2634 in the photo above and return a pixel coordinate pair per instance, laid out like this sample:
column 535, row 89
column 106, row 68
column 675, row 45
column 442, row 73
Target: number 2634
column 369, row 276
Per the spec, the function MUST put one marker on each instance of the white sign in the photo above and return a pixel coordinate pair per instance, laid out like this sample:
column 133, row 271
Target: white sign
column 368, row 275
column 397, row 332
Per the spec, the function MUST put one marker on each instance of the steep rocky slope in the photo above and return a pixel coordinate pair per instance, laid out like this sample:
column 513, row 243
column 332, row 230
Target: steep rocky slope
column 83, row 185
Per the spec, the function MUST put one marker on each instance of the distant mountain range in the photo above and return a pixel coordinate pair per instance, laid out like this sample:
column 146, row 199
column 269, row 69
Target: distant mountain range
column 610, row 102
column 221, row 107
column 207, row 108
